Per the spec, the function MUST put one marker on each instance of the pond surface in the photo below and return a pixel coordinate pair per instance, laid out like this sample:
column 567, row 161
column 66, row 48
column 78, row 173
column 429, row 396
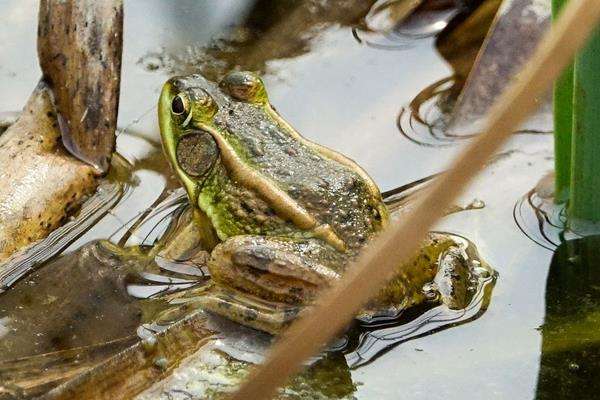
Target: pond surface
column 346, row 95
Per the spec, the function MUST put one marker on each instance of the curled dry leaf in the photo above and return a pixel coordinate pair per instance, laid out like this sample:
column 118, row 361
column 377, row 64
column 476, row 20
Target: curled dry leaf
column 517, row 29
column 79, row 48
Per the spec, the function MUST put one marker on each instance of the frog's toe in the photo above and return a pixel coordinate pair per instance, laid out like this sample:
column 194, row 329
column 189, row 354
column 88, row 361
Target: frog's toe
column 452, row 281
column 248, row 310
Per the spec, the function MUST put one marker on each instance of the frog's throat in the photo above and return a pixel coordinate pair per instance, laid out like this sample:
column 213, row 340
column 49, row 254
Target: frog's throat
column 332, row 155
column 281, row 202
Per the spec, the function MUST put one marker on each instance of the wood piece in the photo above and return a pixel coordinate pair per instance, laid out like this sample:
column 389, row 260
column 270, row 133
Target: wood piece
column 79, row 47
column 336, row 307
column 35, row 375
column 41, row 183
column 129, row 372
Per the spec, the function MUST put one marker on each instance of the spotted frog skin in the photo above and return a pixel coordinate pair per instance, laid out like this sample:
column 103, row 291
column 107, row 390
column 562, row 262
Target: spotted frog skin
column 290, row 214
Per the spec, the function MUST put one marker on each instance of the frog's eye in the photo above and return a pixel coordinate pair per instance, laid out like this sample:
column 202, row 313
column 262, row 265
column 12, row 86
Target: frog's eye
column 196, row 153
column 179, row 105
column 244, row 86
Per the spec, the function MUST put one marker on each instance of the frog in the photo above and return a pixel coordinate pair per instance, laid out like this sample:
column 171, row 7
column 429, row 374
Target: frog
column 290, row 215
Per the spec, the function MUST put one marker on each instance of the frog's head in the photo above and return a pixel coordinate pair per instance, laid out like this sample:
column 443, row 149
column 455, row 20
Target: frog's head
column 184, row 109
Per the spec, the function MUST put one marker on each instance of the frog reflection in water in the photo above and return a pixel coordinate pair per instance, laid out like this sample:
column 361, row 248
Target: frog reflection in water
column 290, row 214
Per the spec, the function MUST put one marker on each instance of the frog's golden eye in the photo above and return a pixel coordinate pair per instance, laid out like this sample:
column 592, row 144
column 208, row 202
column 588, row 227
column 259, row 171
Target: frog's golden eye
column 196, row 153
column 179, row 105
column 244, row 86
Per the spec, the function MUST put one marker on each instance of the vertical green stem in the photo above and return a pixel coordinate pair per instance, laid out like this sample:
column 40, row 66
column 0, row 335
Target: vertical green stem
column 563, row 124
column 584, row 202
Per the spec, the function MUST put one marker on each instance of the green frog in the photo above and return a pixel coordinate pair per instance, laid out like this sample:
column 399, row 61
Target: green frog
column 289, row 213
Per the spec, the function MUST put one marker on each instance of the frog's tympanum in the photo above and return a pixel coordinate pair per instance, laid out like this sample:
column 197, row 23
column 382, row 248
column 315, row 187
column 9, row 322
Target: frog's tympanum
column 290, row 214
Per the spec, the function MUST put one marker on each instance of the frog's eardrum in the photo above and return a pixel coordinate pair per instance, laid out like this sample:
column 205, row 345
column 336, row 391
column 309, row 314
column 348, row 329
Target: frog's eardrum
column 197, row 152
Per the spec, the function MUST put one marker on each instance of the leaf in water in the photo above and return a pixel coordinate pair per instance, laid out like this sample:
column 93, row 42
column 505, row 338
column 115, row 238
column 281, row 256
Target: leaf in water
column 518, row 28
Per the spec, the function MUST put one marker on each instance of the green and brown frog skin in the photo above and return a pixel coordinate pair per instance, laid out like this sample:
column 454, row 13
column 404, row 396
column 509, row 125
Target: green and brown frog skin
column 289, row 214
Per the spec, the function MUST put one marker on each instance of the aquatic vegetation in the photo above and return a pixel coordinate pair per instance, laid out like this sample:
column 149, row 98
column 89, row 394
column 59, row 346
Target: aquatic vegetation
column 584, row 202
column 576, row 139
column 563, row 124
column 570, row 336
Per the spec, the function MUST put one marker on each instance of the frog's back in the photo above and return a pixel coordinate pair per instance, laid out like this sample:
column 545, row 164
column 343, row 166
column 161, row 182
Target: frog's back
column 334, row 193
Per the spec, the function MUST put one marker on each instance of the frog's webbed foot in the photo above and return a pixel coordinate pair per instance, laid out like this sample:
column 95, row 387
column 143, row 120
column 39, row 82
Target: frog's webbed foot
column 445, row 270
column 248, row 310
column 263, row 281
column 283, row 270
column 452, row 282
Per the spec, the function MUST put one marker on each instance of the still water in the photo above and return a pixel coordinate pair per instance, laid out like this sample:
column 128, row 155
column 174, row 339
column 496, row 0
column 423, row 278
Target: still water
column 346, row 94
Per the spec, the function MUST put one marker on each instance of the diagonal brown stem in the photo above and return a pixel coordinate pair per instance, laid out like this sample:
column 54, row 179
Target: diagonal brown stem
column 337, row 306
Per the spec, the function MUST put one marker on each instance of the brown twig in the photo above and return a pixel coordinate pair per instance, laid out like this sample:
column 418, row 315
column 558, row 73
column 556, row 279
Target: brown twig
column 336, row 307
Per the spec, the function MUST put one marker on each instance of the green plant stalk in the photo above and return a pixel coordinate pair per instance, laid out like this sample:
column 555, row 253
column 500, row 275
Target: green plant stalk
column 563, row 124
column 584, row 202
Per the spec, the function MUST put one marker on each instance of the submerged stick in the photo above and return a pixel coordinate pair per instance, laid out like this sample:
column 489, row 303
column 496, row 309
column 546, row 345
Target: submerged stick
column 563, row 124
column 514, row 35
column 336, row 307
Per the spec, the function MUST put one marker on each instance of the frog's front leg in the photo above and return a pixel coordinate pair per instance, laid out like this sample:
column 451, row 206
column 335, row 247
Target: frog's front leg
column 264, row 281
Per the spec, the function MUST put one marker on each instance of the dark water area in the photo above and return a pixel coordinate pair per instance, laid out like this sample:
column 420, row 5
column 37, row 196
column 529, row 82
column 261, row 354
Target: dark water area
column 350, row 89
column 570, row 336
